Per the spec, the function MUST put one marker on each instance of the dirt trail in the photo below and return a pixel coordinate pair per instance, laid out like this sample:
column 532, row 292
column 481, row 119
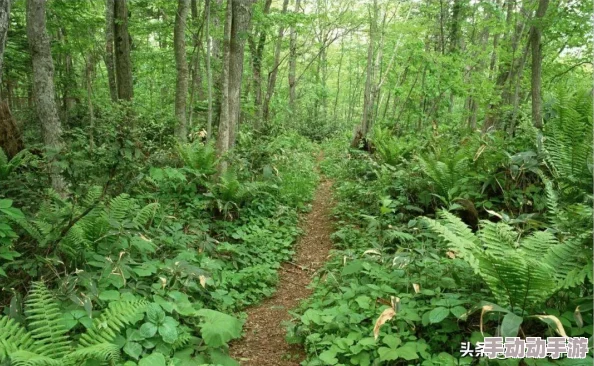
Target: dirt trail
column 264, row 341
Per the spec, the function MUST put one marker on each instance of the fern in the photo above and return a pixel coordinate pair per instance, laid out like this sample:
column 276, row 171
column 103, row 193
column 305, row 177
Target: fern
column 447, row 174
column 106, row 327
column 506, row 263
column 45, row 322
column 46, row 343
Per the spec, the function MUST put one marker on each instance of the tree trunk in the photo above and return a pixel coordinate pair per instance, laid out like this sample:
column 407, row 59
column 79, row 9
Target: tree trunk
column 293, row 63
column 273, row 73
column 208, row 71
column 109, row 57
column 257, row 52
column 4, row 23
column 223, row 137
column 123, row 64
column 181, row 65
column 242, row 14
column 363, row 128
column 535, row 42
column 44, row 89
column 196, row 77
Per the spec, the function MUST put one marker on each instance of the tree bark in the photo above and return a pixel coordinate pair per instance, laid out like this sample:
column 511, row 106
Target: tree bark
column 208, row 71
column 223, row 137
column 274, row 72
column 535, row 42
column 44, row 89
column 257, row 51
column 4, row 23
column 195, row 75
column 363, row 128
column 293, row 63
column 181, row 65
column 109, row 57
column 123, row 63
column 242, row 14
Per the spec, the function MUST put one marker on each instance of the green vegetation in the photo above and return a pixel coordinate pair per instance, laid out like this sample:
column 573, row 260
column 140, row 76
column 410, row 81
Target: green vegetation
column 155, row 158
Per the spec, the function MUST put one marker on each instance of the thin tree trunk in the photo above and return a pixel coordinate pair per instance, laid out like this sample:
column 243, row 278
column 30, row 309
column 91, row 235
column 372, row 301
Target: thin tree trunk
column 4, row 23
column 362, row 130
column 208, row 71
column 109, row 56
column 123, row 63
column 535, row 41
column 44, row 89
column 242, row 14
column 257, row 51
column 273, row 73
column 293, row 63
column 224, row 119
column 196, row 82
column 89, row 80
column 181, row 65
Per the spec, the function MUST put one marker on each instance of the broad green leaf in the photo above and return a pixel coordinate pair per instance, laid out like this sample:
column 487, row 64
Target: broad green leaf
column 408, row 351
column 148, row 329
column 510, row 325
column 329, row 356
column 438, row 314
column 133, row 349
column 387, row 354
column 154, row 359
column 218, row 328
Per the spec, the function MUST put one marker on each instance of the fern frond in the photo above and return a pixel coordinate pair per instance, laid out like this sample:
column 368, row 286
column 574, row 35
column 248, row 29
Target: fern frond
column 25, row 358
column 104, row 352
column 119, row 206
column 92, row 195
column 45, row 322
column 145, row 214
column 13, row 337
column 111, row 321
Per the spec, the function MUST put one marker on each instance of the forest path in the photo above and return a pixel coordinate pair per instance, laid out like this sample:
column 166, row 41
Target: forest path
column 264, row 341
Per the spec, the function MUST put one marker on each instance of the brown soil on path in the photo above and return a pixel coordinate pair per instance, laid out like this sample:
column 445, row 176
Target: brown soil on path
column 264, row 341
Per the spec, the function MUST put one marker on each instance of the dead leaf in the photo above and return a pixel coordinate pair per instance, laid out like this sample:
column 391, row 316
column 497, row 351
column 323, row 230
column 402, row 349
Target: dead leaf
column 416, row 287
column 554, row 320
column 486, row 309
column 372, row 251
column 451, row 255
column 202, row 279
column 577, row 315
column 383, row 318
column 144, row 238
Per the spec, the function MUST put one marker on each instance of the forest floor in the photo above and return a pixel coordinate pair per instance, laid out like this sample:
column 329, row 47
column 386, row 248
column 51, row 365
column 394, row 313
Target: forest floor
column 264, row 341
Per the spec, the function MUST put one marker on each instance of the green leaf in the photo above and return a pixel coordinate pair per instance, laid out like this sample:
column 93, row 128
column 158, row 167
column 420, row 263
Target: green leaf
column 387, row 354
column 168, row 330
column 133, row 349
column 511, row 325
column 109, row 295
column 408, row 351
column 218, row 328
column 392, row 341
column 148, row 329
column 458, row 311
column 329, row 356
column 219, row 358
column 155, row 314
column 154, row 359
column 438, row 314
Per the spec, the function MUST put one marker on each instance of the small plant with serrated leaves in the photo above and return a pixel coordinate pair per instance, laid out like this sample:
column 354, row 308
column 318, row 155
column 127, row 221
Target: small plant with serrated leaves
column 45, row 340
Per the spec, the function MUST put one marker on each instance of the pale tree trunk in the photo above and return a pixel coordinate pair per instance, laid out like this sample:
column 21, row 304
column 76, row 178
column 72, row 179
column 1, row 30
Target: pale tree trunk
column 4, row 22
column 181, row 65
column 242, row 15
column 536, row 46
column 293, row 63
column 44, row 89
column 257, row 51
column 208, row 71
column 123, row 64
column 362, row 130
column 223, row 137
column 109, row 57
column 274, row 72
column 90, row 62
column 196, row 77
